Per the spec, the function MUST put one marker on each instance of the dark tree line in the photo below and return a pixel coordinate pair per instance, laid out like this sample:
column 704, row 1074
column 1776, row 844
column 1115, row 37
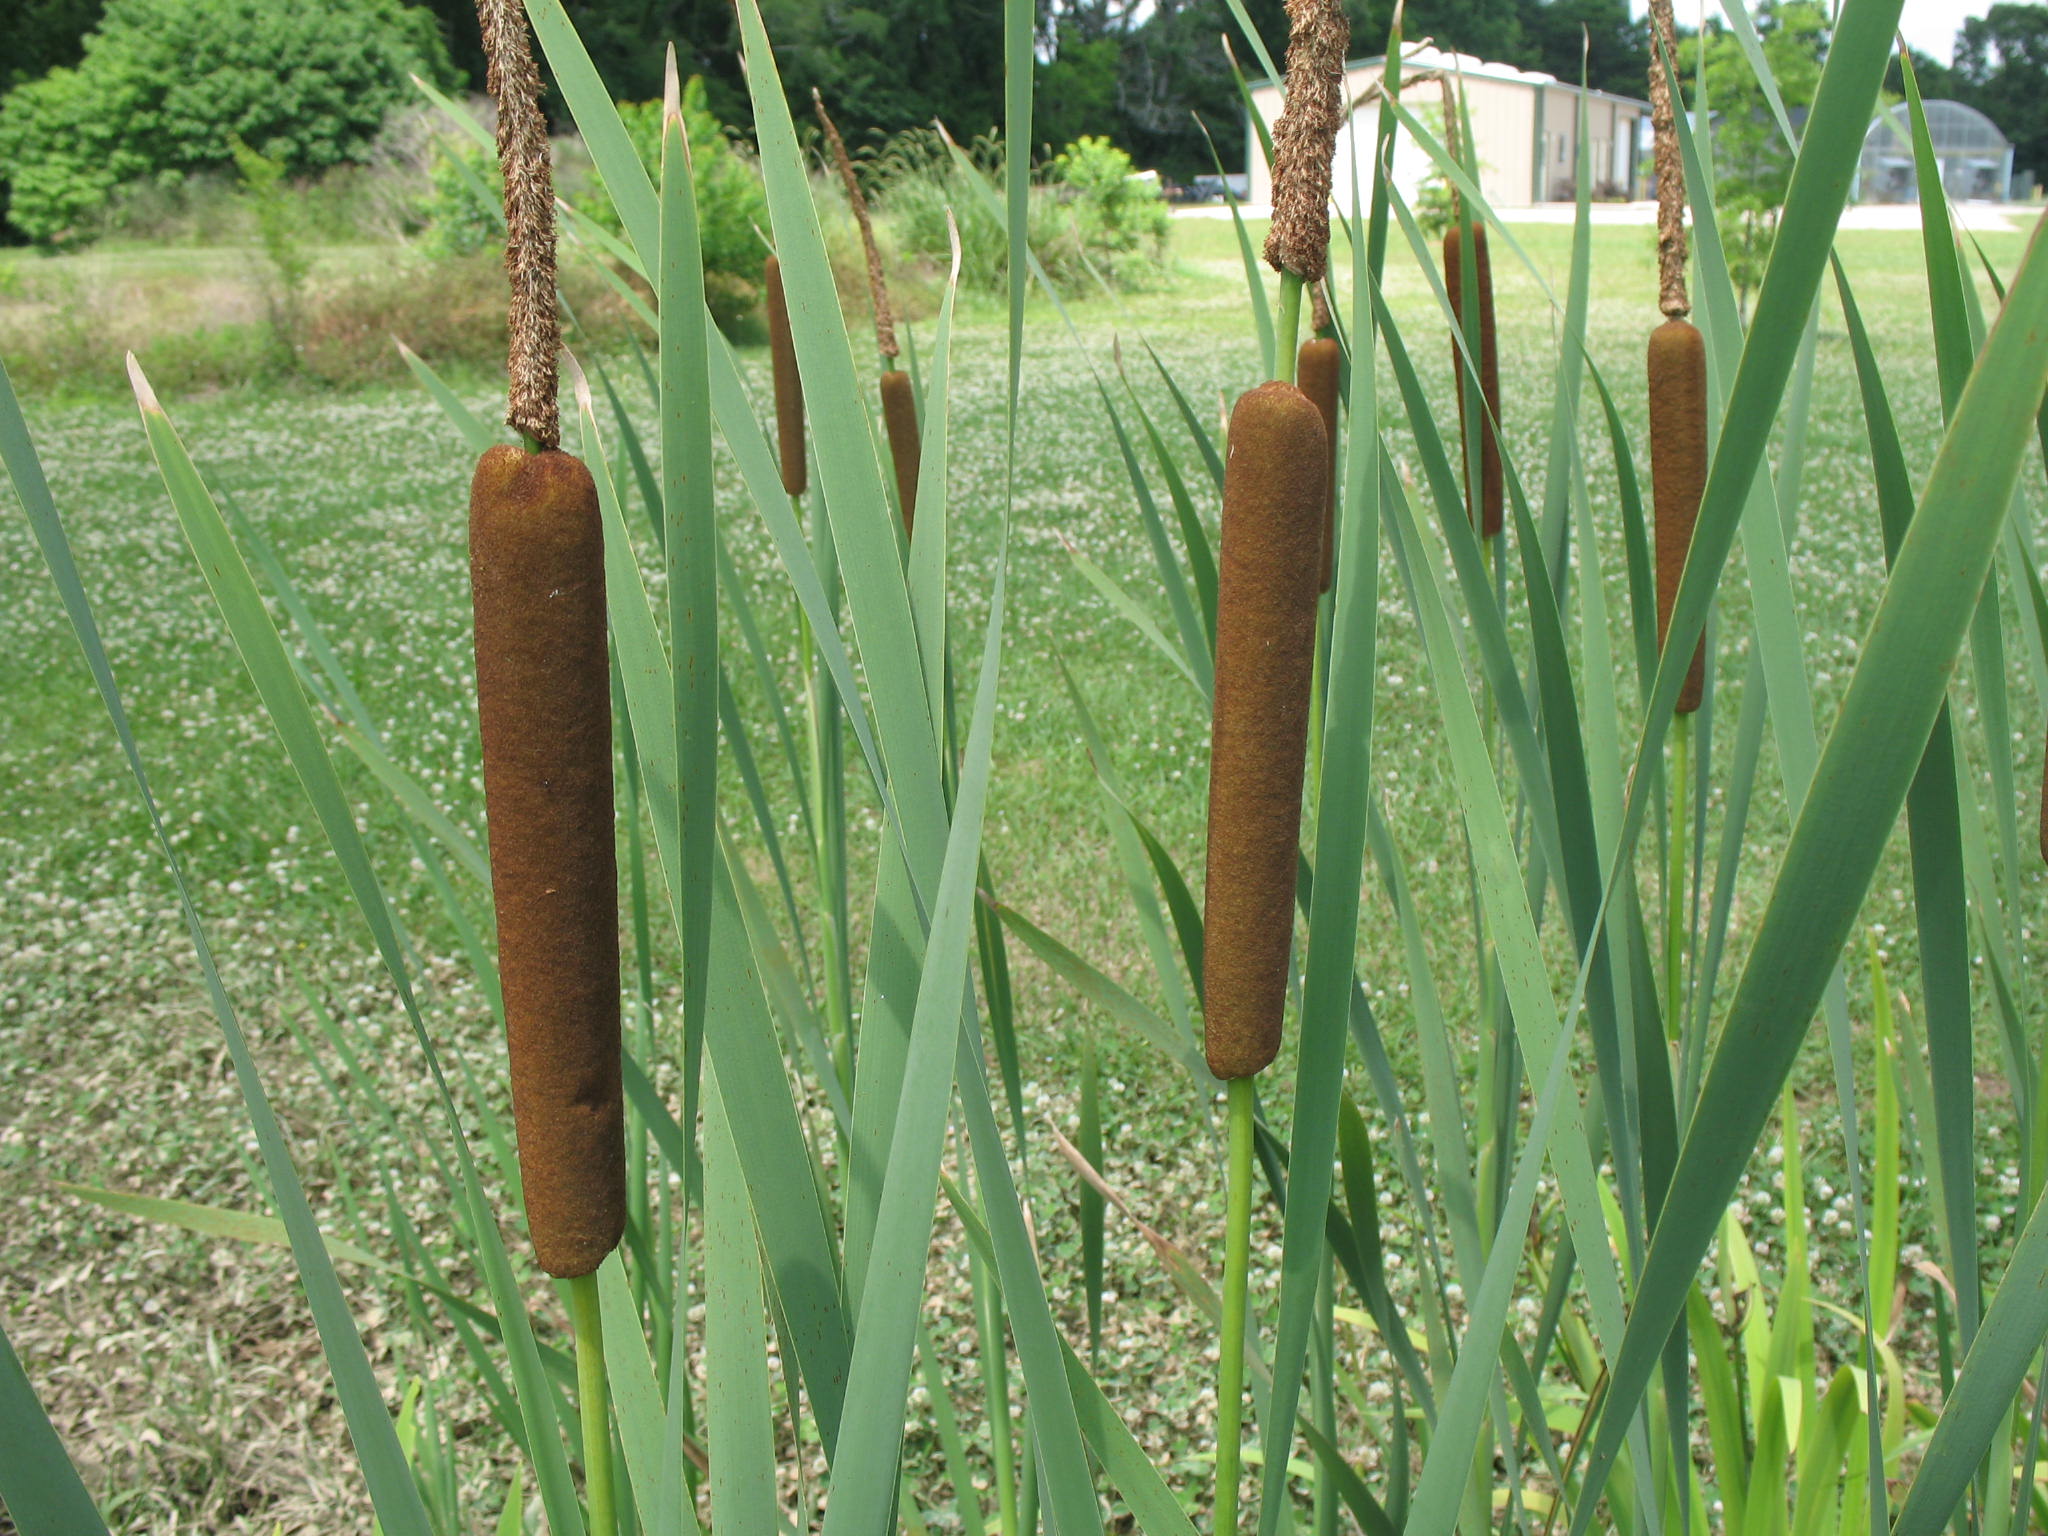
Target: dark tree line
column 1144, row 73
column 1140, row 71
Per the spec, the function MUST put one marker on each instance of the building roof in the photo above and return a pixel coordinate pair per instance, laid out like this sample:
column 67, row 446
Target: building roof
column 1955, row 129
column 1466, row 64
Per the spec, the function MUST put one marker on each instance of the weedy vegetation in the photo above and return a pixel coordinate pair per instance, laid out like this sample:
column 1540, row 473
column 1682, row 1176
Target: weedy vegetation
column 1632, row 1115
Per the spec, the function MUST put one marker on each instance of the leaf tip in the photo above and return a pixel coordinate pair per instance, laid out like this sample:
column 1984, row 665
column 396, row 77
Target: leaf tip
column 145, row 396
column 671, row 91
column 578, row 380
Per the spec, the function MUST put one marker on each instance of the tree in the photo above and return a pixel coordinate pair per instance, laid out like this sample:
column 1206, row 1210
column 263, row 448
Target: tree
column 2002, row 69
column 1487, row 29
column 1752, row 161
column 43, row 35
column 1077, row 89
column 1616, row 48
column 165, row 87
column 1935, row 79
column 1169, row 70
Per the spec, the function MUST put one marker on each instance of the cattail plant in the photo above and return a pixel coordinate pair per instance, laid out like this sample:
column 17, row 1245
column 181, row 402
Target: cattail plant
column 1318, row 370
column 1474, row 265
column 2044, row 805
column 1677, row 368
column 789, row 384
column 1677, row 373
column 544, row 707
column 1276, row 497
column 899, row 399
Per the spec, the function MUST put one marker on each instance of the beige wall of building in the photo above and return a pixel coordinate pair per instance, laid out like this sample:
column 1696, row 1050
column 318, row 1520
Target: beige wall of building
column 1525, row 126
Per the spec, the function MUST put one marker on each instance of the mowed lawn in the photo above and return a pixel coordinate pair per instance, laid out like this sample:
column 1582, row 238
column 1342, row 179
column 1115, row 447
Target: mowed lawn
column 184, row 1371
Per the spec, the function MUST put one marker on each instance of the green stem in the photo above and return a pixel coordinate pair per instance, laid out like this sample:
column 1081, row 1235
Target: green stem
column 995, row 1371
column 1237, row 1258
column 1674, row 884
column 593, row 1398
column 1323, row 1399
column 1493, row 1082
column 1290, row 327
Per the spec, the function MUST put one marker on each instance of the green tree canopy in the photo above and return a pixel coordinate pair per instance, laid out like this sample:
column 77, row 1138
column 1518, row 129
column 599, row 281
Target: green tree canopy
column 165, row 88
column 43, row 35
column 1752, row 160
column 2001, row 69
column 1614, row 46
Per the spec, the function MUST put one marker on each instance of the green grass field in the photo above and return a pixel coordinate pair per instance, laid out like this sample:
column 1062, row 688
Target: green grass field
column 180, row 1369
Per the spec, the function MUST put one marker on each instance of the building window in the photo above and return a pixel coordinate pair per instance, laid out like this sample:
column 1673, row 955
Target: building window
column 1560, row 149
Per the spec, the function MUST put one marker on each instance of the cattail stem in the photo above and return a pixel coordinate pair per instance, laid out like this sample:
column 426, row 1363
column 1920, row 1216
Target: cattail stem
column 593, row 1396
column 988, row 1320
column 1675, row 925
column 1237, row 1260
column 1290, row 327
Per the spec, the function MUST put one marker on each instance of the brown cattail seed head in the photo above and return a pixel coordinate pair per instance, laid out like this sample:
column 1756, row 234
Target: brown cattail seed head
column 2044, row 806
column 1317, row 370
column 536, row 552
column 1678, row 472
column 1305, row 138
column 1275, row 488
column 789, row 384
column 899, row 416
column 1487, row 508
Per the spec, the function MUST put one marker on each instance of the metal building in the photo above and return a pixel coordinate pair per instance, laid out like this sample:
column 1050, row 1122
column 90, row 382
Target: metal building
column 1525, row 124
column 1975, row 158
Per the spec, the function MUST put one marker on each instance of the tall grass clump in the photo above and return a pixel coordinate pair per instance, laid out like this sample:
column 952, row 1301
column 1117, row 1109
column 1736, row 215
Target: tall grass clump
column 1499, row 973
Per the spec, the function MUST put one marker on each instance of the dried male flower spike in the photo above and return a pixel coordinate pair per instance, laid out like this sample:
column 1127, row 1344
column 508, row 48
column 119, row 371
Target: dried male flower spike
column 899, row 417
column 544, row 703
column 1670, row 167
column 1678, row 472
column 536, row 332
column 878, row 288
column 789, row 384
column 899, row 400
column 1305, row 138
column 1318, row 370
column 1275, row 489
column 1488, row 508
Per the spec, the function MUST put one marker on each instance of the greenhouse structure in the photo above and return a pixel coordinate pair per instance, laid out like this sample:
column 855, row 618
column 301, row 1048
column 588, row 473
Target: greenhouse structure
column 1975, row 158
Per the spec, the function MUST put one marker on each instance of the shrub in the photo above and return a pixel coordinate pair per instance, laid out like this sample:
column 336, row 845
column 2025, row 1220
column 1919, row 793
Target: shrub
column 1089, row 216
column 1117, row 212
column 917, row 179
column 458, row 214
column 451, row 310
column 166, row 86
column 278, row 227
column 731, row 206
